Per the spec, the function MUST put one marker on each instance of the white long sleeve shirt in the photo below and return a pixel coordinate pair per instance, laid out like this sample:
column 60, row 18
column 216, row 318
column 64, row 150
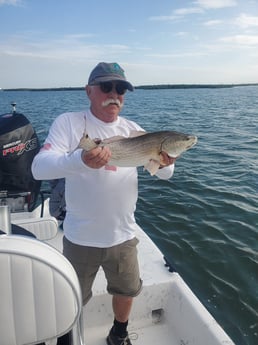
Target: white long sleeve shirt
column 100, row 203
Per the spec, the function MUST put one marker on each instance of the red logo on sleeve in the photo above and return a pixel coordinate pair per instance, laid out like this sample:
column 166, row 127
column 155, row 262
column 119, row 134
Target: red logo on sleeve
column 46, row 147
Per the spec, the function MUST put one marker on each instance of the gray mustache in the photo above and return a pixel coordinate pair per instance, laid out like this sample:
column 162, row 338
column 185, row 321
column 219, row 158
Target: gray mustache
column 112, row 101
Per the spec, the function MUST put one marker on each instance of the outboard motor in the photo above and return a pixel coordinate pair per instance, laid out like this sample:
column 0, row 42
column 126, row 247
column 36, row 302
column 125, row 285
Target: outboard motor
column 18, row 146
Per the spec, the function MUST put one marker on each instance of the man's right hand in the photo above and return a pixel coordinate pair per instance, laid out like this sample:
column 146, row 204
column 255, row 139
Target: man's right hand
column 97, row 157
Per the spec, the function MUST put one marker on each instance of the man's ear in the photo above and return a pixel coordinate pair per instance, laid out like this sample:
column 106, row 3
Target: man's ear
column 87, row 90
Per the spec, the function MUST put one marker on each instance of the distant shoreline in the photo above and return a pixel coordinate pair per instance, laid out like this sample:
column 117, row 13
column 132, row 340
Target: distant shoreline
column 142, row 87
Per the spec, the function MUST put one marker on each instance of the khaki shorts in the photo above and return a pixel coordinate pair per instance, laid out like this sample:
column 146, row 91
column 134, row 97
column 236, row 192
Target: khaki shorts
column 119, row 263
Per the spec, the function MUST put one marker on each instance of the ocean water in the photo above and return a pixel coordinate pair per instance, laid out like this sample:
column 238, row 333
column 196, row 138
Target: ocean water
column 205, row 218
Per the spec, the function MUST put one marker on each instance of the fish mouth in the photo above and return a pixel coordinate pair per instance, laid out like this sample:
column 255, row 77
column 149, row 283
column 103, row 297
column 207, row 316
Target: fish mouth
column 185, row 146
column 193, row 140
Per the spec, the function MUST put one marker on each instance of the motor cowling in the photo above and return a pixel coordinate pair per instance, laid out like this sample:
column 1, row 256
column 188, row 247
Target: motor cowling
column 19, row 144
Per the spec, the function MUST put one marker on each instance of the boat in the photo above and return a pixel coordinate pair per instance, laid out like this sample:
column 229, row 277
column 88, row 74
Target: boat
column 41, row 293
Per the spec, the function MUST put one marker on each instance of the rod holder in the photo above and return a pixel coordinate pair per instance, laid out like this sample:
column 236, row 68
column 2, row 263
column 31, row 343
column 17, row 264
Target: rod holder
column 5, row 219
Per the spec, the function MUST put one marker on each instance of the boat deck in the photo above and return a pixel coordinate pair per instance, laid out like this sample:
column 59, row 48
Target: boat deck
column 166, row 312
column 147, row 322
column 160, row 334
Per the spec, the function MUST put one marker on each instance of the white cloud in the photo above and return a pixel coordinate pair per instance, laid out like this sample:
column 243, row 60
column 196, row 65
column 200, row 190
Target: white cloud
column 163, row 18
column 201, row 6
column 177, row 14
column 246, row 21
column 79, row 36
column 181, row 34
column 188, row 10
column 178, row 55
column 215, row 3
column 212, row 22
column 10, row 2
column 244, row 40
column 70, row 48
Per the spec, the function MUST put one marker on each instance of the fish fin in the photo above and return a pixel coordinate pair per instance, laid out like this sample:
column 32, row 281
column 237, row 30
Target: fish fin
column 115, row 138
column 134, row 134
column 152, row 166
column 112, row 139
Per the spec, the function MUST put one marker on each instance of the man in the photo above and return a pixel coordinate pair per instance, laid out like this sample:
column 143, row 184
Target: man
column 99, row 227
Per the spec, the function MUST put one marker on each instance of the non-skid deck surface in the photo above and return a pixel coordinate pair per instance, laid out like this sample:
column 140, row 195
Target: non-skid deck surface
column 157, row 334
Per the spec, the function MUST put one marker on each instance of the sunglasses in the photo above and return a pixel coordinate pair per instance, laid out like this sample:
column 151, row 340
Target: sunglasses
column 108, row 86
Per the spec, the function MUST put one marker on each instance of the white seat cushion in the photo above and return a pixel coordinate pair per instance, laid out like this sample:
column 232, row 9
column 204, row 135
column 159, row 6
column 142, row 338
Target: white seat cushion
column 39, row 290
column 43, row 228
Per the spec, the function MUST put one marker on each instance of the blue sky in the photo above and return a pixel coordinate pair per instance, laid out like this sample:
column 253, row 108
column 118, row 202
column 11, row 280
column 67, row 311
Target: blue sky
column 55, row 43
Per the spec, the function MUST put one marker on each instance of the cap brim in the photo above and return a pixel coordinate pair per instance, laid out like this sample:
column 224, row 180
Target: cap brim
column 103, row 79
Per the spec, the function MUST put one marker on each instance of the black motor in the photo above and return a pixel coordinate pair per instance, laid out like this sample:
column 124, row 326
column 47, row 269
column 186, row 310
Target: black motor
column 18, row 146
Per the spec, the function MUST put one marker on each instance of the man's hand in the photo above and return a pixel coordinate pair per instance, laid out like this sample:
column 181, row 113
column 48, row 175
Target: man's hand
column 97, row 157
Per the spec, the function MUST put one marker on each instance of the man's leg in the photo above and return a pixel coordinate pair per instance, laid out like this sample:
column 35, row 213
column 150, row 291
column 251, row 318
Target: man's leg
column 124, row 283
column 122, row 306
column 85, row 263
column 118, row 334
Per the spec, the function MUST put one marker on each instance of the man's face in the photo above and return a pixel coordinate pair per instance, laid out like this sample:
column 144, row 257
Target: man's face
column 106, row 99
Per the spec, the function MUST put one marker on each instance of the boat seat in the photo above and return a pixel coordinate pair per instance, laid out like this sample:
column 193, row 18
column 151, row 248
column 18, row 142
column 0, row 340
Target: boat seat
column 44, row 228
column 40, row 293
